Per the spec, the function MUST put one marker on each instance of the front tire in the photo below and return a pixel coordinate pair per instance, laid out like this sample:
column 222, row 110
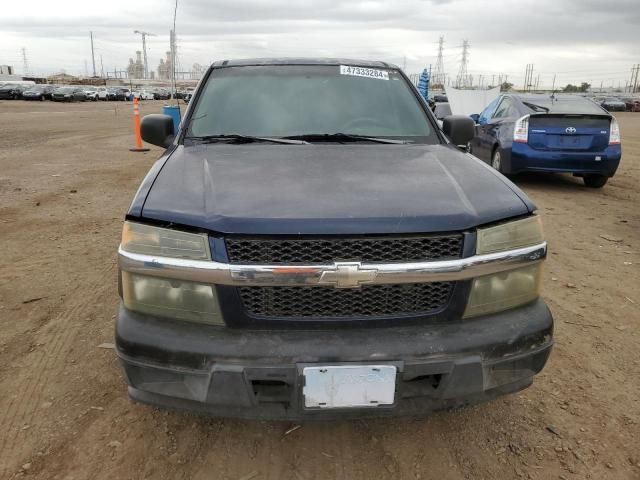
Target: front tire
column 595, row 181
column 496, row 160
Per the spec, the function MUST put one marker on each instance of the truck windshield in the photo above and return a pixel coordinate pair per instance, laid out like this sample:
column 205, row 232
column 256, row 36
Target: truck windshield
column 314, row 100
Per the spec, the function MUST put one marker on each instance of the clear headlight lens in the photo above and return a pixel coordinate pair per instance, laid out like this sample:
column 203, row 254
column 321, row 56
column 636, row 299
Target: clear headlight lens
column 502, row 291
column 164, row 242
column 511, row 235
column 176, row 299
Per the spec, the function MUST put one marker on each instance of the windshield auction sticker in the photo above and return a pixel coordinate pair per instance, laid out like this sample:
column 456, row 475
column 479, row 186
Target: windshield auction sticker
column 364, row 72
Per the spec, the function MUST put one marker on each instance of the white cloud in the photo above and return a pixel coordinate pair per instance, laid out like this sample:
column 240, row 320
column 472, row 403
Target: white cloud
column 576, row 39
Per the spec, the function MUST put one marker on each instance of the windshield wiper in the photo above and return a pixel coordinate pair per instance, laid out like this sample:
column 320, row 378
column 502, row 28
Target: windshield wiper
column 246, row 139
column 332, row 137
column 535, row 107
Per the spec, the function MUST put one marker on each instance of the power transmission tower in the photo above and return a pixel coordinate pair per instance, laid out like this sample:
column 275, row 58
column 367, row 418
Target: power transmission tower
column 438, row 76
column 633, row 84
column 25, row 63
column 463, row 77
column 528, row 77
column 144, row 50
column 93, row 55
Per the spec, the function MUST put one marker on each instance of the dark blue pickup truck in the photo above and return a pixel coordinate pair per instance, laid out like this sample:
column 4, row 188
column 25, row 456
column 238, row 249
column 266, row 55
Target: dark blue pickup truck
column 312, row 245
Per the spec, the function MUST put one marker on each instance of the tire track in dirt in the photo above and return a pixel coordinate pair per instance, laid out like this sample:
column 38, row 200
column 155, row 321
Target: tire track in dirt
column 51, row 360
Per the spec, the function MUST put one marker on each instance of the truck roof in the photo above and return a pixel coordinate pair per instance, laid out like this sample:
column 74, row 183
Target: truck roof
column 301, row 61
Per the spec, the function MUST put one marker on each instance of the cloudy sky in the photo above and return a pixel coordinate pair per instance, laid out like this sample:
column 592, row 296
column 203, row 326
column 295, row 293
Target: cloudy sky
column 577, row 40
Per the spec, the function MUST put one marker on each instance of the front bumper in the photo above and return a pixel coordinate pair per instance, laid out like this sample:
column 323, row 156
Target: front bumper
column 258, row 374
column 523, row 158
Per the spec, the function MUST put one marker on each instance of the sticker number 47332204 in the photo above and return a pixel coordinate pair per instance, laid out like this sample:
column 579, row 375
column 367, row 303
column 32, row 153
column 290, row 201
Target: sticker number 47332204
column 364, row 72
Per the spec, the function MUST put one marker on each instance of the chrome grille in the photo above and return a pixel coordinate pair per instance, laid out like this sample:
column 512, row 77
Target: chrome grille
column 328, row 250
column 369, row 300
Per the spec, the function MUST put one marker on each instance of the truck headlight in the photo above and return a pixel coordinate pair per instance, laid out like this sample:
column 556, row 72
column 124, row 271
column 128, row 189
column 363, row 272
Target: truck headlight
column 166, row 297
column 176, row 299
column 510, row 289
column 164, row 242
column 510, row 235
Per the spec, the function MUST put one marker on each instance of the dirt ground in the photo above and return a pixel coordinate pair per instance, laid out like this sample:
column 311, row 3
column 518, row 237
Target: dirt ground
column 66, row 180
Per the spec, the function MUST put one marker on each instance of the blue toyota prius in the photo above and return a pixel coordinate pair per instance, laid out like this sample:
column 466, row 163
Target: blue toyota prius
column 548, row 133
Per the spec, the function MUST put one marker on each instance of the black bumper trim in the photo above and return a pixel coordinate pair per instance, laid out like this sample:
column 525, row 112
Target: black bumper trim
column 257, row 374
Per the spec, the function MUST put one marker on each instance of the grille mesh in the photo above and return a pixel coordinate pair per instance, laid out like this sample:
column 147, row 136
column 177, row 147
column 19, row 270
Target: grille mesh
column 370, row 300
column 326, row 250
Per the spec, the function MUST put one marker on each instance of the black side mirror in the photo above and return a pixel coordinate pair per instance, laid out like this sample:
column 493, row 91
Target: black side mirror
column 157, row 129
column 475, row 117
column 459, row 128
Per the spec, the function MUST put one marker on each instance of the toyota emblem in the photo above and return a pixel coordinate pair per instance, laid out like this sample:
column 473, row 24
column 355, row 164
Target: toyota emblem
column 570, row 130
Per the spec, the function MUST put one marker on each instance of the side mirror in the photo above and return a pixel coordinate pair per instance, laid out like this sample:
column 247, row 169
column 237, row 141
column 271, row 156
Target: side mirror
column 157, row 129
column 459, row 128
column 475, row 117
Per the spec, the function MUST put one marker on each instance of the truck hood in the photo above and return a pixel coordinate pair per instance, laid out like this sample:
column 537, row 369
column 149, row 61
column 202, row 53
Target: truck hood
column 329, row 189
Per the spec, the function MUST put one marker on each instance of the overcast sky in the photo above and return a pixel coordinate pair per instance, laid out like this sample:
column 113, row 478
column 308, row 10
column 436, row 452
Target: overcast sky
column 579, row 40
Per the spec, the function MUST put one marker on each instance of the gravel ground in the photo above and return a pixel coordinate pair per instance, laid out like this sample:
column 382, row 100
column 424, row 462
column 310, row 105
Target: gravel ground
column 66, row 180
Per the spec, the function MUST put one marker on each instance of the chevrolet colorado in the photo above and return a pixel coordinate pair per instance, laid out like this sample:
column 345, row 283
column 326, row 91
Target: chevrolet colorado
column 311, row 245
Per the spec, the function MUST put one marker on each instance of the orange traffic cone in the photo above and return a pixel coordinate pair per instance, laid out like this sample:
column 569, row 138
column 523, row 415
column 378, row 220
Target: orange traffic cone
column 136, row 123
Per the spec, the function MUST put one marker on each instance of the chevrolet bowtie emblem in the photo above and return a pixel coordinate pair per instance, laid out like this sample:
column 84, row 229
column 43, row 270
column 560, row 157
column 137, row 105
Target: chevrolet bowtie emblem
column 347, row 275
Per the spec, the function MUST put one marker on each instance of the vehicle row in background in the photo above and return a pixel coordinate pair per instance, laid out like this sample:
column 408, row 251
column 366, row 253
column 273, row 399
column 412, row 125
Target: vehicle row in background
column 618, row 104
column 12, row 91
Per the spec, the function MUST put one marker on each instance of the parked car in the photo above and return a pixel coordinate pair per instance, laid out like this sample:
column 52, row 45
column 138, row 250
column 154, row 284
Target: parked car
column 11, row 91
column 116, row 93
column 103, row 93
column 273, row 267
column 91, row 93
column 38, row 92
column 143, row 95
column 161, row 94
column 560, row 133
column 632, row 104
column 613, row 105
column 188, row 94
column 69, row 94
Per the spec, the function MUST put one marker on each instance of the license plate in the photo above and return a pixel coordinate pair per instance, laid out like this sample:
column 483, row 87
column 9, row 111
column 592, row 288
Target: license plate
column 349, row 386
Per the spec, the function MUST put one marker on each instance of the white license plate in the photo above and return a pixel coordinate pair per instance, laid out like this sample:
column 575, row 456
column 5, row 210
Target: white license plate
column 349, row 386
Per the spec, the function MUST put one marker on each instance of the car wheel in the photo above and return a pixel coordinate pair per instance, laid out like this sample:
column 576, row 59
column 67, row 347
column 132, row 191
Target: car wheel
column 42, row 98
column 595, row 181
column 496, row 160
